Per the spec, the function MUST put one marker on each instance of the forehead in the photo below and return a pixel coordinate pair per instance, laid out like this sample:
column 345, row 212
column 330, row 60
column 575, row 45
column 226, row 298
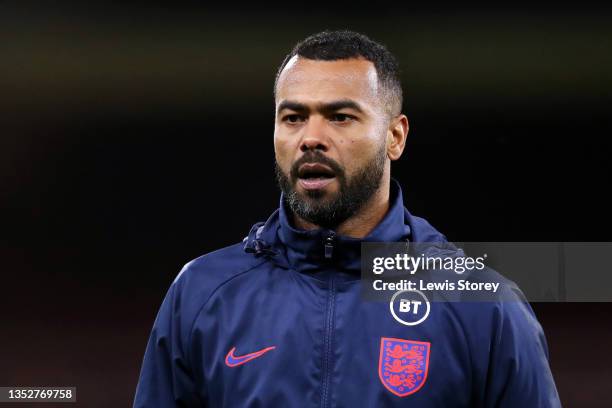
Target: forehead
column 309, row 80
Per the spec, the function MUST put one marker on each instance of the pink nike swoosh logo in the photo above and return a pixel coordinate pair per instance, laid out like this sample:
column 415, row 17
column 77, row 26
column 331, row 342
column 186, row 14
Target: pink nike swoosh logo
column 233, row 361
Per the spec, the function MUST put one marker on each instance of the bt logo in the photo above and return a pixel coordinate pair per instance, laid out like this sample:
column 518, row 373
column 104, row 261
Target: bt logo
column 409, row 307
column 405, row 306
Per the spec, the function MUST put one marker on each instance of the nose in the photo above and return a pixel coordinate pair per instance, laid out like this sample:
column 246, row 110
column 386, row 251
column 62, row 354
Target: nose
column 315, row 137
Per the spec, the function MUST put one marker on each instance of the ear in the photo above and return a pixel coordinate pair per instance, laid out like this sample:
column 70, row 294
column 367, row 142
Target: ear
column 396, row 136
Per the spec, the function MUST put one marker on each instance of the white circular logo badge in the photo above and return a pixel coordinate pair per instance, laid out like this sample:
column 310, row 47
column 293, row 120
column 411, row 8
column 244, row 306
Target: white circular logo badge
column 409, row 307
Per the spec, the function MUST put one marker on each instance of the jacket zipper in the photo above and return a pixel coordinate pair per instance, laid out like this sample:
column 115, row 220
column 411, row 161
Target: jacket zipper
column 329, row 245
column 329, row 329
column 327, row 352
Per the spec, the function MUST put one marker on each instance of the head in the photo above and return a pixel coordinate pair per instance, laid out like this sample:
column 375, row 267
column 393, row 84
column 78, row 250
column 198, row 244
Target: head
column 338, row 125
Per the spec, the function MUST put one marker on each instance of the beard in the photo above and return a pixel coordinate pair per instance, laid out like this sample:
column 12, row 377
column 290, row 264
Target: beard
column 329, row 210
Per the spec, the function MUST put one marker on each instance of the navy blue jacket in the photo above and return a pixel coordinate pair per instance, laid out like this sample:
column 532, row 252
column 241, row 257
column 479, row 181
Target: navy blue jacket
column 272, row 322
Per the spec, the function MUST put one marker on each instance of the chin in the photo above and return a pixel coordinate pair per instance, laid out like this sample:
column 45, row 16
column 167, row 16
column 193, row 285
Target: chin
column 318, row 195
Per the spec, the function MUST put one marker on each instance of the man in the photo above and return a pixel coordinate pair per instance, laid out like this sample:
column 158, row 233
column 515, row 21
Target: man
column 279, row 321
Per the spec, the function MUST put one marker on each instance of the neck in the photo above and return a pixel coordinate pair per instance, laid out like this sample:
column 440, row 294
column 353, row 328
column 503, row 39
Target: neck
column 364, row 221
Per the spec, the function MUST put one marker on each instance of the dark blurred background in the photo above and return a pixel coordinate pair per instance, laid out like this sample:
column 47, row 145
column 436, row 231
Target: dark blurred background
column 136, row 136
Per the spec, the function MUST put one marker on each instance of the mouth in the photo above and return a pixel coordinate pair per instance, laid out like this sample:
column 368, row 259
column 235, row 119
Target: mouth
column 315, row 176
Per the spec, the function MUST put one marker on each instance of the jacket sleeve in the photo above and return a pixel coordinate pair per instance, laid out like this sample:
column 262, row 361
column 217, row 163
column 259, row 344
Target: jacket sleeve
column 166, row 379
column 519, row 374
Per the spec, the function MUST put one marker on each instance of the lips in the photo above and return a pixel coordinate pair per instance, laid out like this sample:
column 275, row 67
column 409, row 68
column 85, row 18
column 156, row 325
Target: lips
column 315, row 170
column 315, row 176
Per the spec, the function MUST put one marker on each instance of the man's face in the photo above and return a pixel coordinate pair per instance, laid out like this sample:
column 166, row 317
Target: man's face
column 329, row 137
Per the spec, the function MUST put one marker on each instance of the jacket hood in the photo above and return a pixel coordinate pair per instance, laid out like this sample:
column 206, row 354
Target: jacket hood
column 311, row 250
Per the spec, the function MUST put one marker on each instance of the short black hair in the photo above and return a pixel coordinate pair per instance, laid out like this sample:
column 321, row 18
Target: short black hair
column 345, row 44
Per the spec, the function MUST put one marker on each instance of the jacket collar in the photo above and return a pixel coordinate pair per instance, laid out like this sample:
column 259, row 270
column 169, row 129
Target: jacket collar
column 315, row 250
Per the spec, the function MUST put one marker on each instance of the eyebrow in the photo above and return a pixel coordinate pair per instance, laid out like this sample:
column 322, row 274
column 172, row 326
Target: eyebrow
column 322, row 107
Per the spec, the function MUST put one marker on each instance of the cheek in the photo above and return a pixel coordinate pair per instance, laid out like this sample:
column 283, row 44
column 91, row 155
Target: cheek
column 357, row 152
column 282, row 152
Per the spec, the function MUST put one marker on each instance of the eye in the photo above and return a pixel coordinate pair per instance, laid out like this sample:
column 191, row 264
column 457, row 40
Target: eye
column 342, row 117
column 293, row 118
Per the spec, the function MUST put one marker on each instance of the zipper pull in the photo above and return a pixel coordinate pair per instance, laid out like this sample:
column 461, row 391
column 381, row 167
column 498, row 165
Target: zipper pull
column 329, row 245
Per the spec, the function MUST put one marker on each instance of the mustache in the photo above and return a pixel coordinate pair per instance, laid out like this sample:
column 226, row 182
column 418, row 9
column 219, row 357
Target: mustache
column 312, row 157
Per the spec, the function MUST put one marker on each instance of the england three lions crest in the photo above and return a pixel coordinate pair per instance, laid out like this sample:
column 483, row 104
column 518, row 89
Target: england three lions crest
column 403, row 365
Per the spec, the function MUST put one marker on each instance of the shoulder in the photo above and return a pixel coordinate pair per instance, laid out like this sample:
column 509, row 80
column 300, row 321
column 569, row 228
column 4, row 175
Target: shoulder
column 500, row 316
column 204, row 274
column 484, row 301
column 196, row 283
